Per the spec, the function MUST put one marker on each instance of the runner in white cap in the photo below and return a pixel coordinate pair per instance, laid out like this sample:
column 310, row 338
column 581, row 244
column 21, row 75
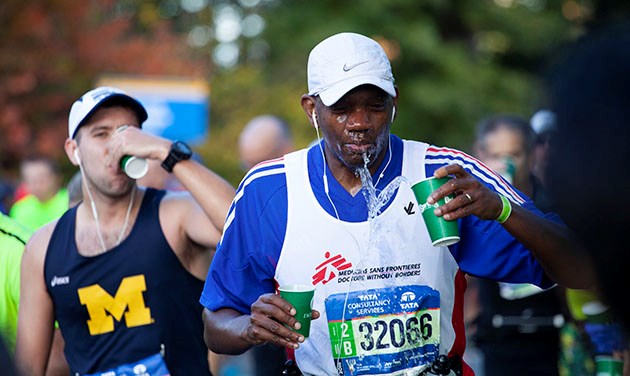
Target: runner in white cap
column 386, row 301
column 122, row 271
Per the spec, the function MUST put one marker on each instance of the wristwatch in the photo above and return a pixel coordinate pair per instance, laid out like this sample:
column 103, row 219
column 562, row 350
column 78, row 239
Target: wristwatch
column 179, row 152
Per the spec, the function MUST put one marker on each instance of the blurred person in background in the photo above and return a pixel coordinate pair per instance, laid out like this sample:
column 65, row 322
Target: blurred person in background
column 47, row 199
column 122, row 271
column 543, row 122
column 588, row 175
column 517, row 324
column 305, row 218
column 13, row 237
column 264, row 137
column 6, row 196
column 575, row 357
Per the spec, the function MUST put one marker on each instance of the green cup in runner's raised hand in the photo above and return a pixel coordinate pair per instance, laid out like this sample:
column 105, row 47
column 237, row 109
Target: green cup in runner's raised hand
column 442, row 232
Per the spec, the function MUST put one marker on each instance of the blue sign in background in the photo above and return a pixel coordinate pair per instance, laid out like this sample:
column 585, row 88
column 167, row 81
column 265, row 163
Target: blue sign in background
column 178, row 108
column 176, row 119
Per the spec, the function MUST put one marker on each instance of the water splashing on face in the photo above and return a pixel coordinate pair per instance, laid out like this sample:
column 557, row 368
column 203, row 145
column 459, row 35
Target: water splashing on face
column 384, row 247
column 375, row 200
column 380, row 242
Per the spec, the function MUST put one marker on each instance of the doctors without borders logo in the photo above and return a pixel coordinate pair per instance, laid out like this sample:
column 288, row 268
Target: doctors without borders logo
column 327, row 270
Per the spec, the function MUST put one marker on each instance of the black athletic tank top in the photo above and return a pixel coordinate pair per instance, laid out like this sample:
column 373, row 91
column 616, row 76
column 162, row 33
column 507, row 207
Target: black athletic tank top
column 128, row 303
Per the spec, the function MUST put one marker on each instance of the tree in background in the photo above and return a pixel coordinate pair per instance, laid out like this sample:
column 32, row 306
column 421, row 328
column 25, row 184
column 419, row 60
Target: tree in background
column 454, row 60
column 52, row 51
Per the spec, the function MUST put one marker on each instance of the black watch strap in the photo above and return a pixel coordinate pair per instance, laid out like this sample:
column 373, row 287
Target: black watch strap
column 169, row 163
column 179, row 152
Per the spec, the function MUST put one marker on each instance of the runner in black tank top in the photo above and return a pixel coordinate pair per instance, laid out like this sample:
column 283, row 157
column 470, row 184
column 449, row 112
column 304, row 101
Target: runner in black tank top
column 143, row 268
column 122, row 272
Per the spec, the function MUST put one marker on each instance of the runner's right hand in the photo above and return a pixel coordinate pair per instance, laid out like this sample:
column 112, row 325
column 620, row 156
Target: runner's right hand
column 270, row 314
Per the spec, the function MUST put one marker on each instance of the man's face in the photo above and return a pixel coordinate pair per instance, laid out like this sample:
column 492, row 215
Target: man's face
column 501, row 145
column 93, row 138
column 40, row 179
column 356, row 125
column 542, row 150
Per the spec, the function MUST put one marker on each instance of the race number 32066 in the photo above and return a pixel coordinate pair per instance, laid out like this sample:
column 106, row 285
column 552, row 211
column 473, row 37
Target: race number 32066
column 384, row 334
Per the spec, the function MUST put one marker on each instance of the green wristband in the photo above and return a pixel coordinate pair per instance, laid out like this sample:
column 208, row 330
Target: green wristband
column 505, row 211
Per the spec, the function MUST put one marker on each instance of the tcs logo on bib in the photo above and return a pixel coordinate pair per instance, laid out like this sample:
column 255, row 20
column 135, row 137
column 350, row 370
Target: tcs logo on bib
column 103, row 308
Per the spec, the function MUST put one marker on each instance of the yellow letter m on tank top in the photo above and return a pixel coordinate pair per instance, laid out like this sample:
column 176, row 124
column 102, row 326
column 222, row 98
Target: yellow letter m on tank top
column 103, row 308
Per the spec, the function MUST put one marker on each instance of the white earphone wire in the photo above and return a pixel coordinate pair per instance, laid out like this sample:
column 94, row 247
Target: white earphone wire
column 92, row 204
column 324, row 176
column 95, row 212
column 386, row 164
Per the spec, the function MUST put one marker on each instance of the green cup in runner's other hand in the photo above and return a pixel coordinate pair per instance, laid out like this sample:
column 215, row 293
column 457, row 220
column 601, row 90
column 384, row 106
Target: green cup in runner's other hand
column 442, row 232
column 301, row 298
column 606, row 365
column 597, row 312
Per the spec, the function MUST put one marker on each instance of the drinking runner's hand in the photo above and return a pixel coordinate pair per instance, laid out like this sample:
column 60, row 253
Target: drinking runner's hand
column 472, row 197
column 270, row 314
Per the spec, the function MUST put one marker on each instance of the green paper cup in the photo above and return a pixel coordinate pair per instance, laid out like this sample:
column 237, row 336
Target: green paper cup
column 442, row 232
column 301, row 298
column 606, row 365
column 134, row 167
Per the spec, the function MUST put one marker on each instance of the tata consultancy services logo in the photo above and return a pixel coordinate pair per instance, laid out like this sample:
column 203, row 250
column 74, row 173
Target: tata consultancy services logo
column 328, row 269
column 408, row 301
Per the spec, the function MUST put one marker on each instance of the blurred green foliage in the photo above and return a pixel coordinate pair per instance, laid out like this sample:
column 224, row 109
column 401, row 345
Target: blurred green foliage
column 455, row 61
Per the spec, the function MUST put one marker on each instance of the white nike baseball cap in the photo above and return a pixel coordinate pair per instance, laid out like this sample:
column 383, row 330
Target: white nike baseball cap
column 91, row 101
column 344, row 61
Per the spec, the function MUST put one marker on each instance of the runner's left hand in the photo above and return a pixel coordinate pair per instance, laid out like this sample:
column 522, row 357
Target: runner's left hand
column 472, row 197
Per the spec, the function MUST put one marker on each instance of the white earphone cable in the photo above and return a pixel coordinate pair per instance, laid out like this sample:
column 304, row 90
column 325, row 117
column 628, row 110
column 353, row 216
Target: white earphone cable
column 386, row 164
column 95, row 212
column 324, row 177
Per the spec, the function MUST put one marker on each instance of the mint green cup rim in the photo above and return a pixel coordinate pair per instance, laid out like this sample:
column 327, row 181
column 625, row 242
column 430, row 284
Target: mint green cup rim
column 608, row 365
column 296, row 288
column 608, row 358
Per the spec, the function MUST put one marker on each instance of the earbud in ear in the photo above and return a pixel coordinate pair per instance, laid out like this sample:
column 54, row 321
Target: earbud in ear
column 314, row 117
column 393, row 113
column 76, row 156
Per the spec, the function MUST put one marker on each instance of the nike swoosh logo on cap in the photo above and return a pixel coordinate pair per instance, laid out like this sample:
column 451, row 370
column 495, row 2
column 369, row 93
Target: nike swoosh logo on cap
column 347, row 68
